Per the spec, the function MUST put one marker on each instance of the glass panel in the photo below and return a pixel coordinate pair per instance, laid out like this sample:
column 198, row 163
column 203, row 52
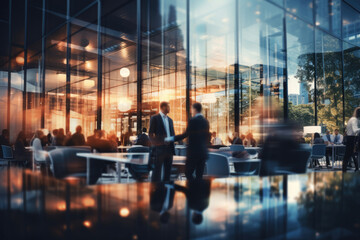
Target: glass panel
column 354, row 3
column 83, row 87
column 33, row 83
column 351, row 24
column 328, row 15
column 212, row 45
column 164, row 77
column 261, row 64
column 4, row 61
column 302, row 8
column 301, row 70
column 351, row 78
column 119, row 69
column 55, row 79
column 329, row 81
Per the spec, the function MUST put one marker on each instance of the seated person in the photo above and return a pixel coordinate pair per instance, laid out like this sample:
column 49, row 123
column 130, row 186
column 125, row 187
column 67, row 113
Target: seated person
column 250, row 141
column 216, row 140
column 143, row 139
column 328, row 138
column 77, row 139
column 318, row 140
column 338, row 138
column 236, row 140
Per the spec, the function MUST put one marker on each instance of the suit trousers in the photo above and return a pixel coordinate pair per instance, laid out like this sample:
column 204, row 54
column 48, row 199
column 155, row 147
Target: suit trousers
column 349, row 152
column 194, row 164
column 163, row 157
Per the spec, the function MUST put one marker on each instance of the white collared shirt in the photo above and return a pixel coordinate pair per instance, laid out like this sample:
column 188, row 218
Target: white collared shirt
column 352, row 127
column 165, row 119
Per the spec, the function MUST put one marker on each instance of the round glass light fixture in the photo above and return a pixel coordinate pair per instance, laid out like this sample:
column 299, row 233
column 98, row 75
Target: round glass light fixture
column 19, row 60
column 124, row 72
column 124, row 105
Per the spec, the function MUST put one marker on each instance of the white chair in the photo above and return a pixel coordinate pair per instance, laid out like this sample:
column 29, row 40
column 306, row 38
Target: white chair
column 39, row 155
column 217, row 166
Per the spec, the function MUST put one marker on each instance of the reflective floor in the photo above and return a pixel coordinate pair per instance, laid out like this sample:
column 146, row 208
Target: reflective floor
column 322, row 205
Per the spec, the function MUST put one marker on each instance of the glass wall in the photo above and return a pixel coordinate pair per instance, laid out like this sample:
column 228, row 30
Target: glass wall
column 241, row 59
column 212, row 54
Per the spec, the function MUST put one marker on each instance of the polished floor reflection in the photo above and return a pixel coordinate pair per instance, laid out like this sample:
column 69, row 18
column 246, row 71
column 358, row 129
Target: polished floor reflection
column 310, row 206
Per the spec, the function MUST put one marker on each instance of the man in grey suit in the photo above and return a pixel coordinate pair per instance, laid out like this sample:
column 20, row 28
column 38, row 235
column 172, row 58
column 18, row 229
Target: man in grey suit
column 161, row 127
column 198, row 135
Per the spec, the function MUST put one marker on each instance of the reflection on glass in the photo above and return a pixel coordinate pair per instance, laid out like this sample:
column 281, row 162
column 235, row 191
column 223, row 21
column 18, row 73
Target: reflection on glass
column 301, row 71
column 329, row 81
column 351, row 78
column 303, row 8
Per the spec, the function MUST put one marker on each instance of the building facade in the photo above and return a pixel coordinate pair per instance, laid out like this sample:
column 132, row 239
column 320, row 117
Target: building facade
column 108, row 64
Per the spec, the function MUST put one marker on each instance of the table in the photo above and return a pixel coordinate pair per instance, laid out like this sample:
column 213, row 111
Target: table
column 119, row 159
column 333, row 152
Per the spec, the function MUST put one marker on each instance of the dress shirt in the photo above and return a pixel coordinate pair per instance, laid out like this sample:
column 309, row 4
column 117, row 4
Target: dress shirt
column 217, row 141
column 338, row 138
column 166, row 123
column 328, row 138
column 352, row 127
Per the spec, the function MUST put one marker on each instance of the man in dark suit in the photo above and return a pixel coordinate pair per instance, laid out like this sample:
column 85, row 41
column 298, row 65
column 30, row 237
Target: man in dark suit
column 161, row 127
column 198, row 135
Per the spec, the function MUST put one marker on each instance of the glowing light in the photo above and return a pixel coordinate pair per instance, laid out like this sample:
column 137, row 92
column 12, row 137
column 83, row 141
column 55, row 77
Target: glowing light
column 88, row 83
column 124, row 212
column 124, row 72
column 124, row 105
column 19, row 60
column 64, row 61
column 225, row 20
column 257, row 12
column 61, row 206
column 88, row 64
column 88, row 202
column 87, row 224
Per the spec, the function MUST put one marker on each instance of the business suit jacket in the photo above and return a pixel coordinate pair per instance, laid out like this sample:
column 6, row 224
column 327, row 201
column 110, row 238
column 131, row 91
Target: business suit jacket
column 157, row 133
column 198, row 133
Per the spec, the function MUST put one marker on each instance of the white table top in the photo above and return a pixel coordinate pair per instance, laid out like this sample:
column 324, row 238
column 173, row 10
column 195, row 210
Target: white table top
column 132, row 158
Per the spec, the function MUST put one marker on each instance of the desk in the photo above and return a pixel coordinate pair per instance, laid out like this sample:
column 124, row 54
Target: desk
column 119, row 159
column 333, row 148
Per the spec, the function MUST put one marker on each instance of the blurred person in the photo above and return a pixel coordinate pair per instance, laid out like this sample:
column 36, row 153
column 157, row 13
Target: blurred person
column 317, row 139
column 92, row 137
column 20, row 145
column 53, row 140
column 38, row 136
column 242, row 137
column 143, row 139
column 197, row 132
column 67, row 139
column 49, row 138
column 77, row 139
column 216, row 140
column 161, row 127
column 60, row 137
column 249, row 140
column 338, row 138
column 328, row 138
column 279, row 147
column 125, row 138
column 352, row 130
column 236, row 140
column 300, row 137
column 4, row 137
column 112, row 139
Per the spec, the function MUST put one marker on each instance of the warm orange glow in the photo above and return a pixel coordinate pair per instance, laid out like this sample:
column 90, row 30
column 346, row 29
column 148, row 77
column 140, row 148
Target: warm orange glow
column 124, row 104
column 88, row 64
column 87, row 224
column 88, row 202
column 61, row 206
column 88, row 83
column 19, row 60
column 124, row 212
